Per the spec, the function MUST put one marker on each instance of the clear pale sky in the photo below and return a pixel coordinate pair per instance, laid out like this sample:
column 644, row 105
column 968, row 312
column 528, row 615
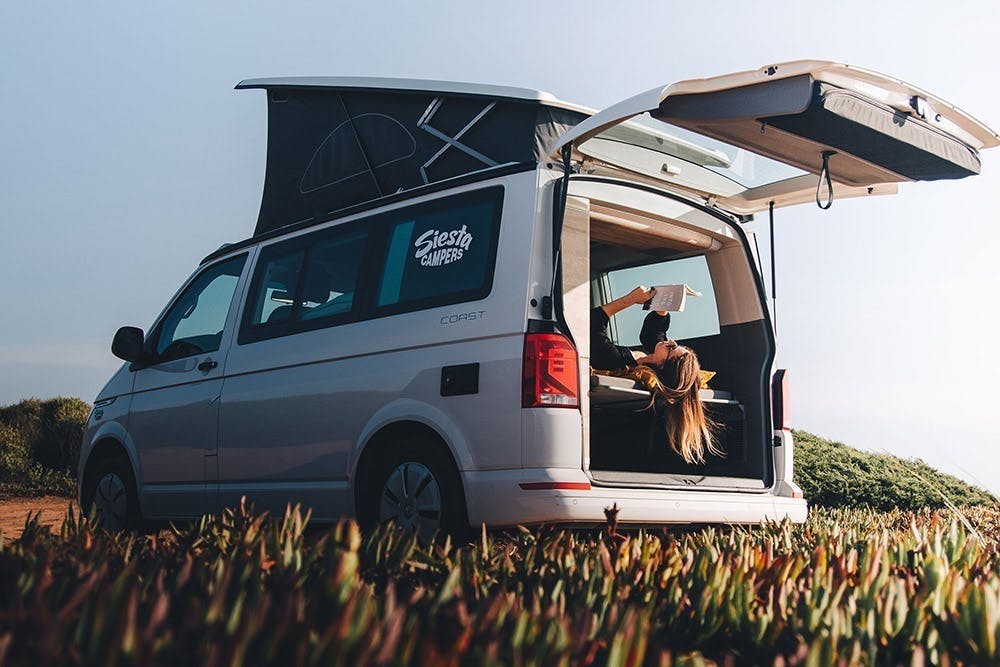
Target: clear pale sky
column 127, row 157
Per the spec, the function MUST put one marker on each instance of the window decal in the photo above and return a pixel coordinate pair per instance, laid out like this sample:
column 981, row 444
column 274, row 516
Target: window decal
column 436, row 248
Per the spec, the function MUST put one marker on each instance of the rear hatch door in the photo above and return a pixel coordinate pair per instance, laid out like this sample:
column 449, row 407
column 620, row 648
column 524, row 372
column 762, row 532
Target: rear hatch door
column 750, row 138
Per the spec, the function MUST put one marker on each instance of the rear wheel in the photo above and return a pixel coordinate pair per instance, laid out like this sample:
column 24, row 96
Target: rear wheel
column 112, row 496
column 417, row 489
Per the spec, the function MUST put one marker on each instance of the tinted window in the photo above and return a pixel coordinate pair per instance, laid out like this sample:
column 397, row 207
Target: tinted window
column 430, row 254
column 305, row 283
column 194, row 324
column 700, row 316
column 441, row 253
column 332, row 276
column 276, row 287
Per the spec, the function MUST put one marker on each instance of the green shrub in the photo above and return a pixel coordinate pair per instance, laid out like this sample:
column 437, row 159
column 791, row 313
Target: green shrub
column 15, row 455
column 40, row 445
column 52, row 429
column 832, row 474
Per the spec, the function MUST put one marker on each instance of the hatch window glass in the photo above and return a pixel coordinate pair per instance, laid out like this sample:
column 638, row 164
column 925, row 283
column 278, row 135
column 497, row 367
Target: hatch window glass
column 700, row 316
column 672, row 153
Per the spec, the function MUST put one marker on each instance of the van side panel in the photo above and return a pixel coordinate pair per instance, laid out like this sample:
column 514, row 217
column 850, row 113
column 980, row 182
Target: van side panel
column 297, row 409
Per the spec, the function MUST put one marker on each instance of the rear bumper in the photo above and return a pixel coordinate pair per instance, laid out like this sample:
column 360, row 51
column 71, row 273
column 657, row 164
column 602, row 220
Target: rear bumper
column 496, row 498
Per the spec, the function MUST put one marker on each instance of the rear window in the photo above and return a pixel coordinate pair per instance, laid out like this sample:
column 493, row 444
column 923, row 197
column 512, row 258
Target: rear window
column 701, row 314
column 441, row 253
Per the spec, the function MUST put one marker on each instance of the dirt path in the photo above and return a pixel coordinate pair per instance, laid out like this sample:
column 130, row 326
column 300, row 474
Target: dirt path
column 13, row 512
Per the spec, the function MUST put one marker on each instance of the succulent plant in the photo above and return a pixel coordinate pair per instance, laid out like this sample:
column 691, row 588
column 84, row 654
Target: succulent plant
column 847, row 587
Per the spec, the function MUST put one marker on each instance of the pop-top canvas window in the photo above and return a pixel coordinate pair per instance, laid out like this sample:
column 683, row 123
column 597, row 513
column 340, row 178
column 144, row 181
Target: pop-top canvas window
column 442, row 252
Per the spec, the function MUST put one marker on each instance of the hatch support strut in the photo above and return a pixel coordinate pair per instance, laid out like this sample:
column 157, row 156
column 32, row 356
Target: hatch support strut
column 558, row 213
column 774, row 281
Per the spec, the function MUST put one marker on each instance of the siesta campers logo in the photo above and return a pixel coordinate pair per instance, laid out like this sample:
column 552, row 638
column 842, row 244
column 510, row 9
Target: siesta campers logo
column 436, row 248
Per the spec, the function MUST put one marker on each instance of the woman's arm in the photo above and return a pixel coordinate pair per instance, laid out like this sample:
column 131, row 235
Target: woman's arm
column 640, row 294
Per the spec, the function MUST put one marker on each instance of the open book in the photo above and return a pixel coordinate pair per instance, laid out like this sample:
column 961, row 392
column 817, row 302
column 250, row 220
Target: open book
column 669, row 297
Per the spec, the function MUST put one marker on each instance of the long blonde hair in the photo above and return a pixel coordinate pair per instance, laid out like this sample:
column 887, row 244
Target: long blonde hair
column 677, row 382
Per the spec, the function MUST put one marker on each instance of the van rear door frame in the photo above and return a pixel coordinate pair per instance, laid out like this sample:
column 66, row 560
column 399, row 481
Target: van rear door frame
column 734, row 223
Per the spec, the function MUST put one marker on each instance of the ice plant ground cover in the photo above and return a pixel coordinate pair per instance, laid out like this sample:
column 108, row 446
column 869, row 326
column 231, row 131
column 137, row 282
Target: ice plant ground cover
column 851, row 586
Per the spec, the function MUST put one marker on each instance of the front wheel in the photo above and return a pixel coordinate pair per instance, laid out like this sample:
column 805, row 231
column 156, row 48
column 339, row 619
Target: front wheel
column 112, row 496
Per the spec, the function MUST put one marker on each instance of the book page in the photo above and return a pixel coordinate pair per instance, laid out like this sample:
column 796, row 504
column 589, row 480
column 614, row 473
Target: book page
column 670, row 298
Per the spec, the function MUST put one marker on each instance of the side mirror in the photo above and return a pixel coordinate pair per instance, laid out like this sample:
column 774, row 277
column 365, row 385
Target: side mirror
column 129, row 344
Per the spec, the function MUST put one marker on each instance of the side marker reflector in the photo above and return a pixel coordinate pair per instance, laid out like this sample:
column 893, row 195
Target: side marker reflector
column 549, row 486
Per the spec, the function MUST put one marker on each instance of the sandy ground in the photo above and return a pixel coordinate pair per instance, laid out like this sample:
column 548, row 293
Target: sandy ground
column 13, row 512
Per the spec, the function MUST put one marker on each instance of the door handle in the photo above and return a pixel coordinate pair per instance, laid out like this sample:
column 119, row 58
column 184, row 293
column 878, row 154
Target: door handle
column 207, row 365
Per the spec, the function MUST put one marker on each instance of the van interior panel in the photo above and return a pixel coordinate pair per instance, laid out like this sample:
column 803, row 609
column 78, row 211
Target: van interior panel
column 795, row 120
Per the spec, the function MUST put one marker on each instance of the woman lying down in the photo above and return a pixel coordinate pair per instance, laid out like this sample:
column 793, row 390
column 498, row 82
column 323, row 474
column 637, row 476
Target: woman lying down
column 670, row 371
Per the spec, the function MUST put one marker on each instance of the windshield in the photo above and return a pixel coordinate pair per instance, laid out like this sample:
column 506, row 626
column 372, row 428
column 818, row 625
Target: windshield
column 654, row 148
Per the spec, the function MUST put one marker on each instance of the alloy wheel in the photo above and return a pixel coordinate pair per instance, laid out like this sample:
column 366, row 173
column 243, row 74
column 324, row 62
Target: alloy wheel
column 111, row 502
column 411, row 497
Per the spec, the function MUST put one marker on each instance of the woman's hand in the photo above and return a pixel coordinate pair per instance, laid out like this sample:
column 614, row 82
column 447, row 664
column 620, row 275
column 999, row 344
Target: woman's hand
column 640, row 294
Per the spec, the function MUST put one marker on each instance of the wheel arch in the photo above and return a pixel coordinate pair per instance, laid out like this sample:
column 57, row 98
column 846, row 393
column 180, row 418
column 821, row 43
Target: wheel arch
column 105, row 448
column 382, row 442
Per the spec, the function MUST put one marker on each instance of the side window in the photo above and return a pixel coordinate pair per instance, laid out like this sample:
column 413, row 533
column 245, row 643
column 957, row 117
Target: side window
column 276, row 287
column 306, row 283
column 700, row 316
column 194, row 324
column 332, row 276
column 441, row 253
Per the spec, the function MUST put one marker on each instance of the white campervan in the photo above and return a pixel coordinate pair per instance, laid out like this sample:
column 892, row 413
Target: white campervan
column 406, row 334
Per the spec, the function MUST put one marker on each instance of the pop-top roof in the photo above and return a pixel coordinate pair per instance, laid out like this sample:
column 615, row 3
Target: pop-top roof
column 392, row 84
column 338, row 142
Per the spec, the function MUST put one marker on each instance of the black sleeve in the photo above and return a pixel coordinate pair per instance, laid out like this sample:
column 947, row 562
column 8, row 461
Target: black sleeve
column 605, row 355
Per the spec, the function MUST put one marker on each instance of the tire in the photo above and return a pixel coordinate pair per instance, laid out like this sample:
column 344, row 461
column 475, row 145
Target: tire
column 111, row 495
column 418, row 489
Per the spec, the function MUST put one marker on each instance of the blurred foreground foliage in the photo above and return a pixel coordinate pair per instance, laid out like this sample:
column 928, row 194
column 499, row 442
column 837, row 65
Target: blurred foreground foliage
column 849, row 586
column 40, row 446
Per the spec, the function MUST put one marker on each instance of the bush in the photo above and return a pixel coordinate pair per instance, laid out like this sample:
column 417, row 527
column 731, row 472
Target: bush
column 40, row 445
column 52, row 429
column 832, row 474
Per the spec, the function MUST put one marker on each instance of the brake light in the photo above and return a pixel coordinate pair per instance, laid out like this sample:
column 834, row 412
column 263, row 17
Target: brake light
column 780, row 397
column 551, row 377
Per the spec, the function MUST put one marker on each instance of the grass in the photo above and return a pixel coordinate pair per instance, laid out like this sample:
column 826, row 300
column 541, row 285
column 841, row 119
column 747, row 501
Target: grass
column 863, row 587
column 877, row 575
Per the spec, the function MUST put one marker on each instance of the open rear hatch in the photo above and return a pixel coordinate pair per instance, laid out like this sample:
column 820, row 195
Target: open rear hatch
column 750, row 138
column 780, row 135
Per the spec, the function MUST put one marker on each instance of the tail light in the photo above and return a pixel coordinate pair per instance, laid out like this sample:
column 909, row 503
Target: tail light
column 780, row 396
column 551, row 377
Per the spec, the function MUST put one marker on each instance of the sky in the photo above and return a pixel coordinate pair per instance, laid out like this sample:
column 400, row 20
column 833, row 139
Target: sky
column 127, row 156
